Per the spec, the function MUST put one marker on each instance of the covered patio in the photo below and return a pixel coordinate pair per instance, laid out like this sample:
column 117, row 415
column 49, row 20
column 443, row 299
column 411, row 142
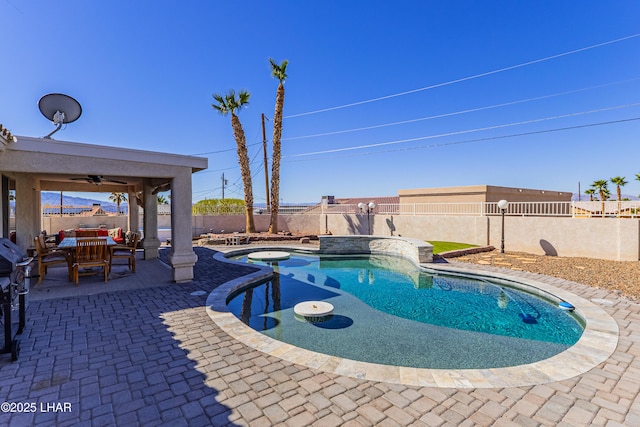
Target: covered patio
column 32, row 165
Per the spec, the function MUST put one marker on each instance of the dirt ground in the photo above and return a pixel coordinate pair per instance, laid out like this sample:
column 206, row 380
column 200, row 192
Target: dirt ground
column 621, row 276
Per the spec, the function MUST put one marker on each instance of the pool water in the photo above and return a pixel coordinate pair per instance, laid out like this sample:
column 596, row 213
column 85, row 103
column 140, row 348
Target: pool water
column 387, row 311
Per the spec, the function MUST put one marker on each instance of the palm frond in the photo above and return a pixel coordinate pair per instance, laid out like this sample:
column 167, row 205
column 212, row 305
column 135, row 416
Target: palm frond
column 221, row 105
column 279, row 71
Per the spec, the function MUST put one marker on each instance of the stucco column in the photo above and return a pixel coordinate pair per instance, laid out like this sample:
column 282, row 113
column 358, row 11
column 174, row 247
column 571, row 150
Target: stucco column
column 4, row 208
column 182, row 258
column 27, row 210
column 134, row 212
column 151, row 242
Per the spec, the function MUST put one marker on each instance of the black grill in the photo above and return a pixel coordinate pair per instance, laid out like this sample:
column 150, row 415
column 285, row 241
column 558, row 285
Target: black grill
column 15, row 269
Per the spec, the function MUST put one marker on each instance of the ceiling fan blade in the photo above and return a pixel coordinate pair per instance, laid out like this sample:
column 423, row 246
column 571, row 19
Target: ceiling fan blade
column 98, row 179
column 115, row 181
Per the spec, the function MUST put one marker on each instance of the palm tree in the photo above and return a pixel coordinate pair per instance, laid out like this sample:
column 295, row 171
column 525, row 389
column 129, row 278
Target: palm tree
column 279, row 72
column 601, row 187
column 231, row 104
column 619, row 182
column 118, row 198
column 590, row 192
column 162, row 200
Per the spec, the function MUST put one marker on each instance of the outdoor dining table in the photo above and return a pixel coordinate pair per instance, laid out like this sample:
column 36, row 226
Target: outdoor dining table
column 70, row 242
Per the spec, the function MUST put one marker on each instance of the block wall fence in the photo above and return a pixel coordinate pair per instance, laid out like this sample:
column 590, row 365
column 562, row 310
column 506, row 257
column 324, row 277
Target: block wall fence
column 604, row 238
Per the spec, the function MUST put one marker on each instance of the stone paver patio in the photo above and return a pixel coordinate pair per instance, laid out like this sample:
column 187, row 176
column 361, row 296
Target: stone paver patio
column 142, row 351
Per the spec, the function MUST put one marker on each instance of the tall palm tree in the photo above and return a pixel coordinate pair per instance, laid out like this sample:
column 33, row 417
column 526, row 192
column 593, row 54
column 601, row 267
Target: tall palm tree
column 619, row 182
column 278, row 71
column 118, row 198
column 231, row 104
column 601, row 187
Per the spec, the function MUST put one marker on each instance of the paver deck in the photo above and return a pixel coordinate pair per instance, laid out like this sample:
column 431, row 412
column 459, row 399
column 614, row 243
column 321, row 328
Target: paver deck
column 142, row 351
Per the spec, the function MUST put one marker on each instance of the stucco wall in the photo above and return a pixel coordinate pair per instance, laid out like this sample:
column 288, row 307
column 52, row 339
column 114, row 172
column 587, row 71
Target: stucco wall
column 297, row 224
column 55, row 223
column 610, row 238
column 481, row 193
column 604, row 238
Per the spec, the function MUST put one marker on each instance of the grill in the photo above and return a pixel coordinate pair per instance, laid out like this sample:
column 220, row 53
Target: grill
column 15, row 269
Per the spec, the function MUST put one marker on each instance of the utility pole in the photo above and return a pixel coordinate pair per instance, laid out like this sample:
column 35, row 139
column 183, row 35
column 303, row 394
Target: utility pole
column 579, row 191
column 266, row 168
column 224, row 182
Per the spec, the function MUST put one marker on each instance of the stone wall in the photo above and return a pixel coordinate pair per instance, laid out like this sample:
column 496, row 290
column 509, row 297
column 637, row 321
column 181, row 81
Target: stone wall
column 416, row 250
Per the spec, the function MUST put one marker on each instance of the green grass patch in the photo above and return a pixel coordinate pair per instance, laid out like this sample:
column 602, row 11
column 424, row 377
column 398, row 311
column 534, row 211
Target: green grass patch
column 439, row 247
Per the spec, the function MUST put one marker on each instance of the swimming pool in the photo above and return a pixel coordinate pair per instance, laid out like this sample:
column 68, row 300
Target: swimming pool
column 403, row 316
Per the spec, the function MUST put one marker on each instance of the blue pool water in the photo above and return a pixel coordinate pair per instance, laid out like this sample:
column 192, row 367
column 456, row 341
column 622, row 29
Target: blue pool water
column 386, row 311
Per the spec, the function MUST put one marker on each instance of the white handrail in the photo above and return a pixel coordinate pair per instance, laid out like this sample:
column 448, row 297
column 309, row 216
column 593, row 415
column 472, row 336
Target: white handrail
column 575, row 209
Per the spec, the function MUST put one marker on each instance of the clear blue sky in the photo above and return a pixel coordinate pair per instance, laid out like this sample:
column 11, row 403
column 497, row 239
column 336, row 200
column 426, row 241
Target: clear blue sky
column 145, row 73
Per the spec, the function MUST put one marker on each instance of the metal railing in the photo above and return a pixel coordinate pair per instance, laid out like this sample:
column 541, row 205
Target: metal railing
column 531, row 208
column 93, row 210
column 575, row 209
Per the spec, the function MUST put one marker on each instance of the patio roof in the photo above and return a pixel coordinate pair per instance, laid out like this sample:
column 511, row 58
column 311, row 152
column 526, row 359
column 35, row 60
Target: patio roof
column 31, row 165
column 56, row 163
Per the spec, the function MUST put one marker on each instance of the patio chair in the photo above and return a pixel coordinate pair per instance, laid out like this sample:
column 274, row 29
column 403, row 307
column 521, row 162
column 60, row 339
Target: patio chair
column 49, row 256
column 127, row 252
column 90, row 252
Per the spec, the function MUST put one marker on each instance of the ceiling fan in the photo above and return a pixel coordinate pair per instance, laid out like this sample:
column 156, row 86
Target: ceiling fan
column 98, row 180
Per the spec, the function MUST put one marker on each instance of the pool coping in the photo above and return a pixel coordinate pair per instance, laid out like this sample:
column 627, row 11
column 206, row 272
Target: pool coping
column 597, row 343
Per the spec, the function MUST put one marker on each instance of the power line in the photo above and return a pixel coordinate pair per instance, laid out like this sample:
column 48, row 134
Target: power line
column 223, row 151
column 335, row 150
column 473, row 110
column 463, row 79
column 490, row 138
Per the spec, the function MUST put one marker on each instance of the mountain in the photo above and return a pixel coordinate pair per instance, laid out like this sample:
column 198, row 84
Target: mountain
column 53, row 198
column 612, row 196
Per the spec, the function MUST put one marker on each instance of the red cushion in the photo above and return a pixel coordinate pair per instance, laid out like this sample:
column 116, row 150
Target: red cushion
column 120, row 239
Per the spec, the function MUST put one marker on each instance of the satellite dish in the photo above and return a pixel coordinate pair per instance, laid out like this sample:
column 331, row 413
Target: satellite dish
column 60, row 109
